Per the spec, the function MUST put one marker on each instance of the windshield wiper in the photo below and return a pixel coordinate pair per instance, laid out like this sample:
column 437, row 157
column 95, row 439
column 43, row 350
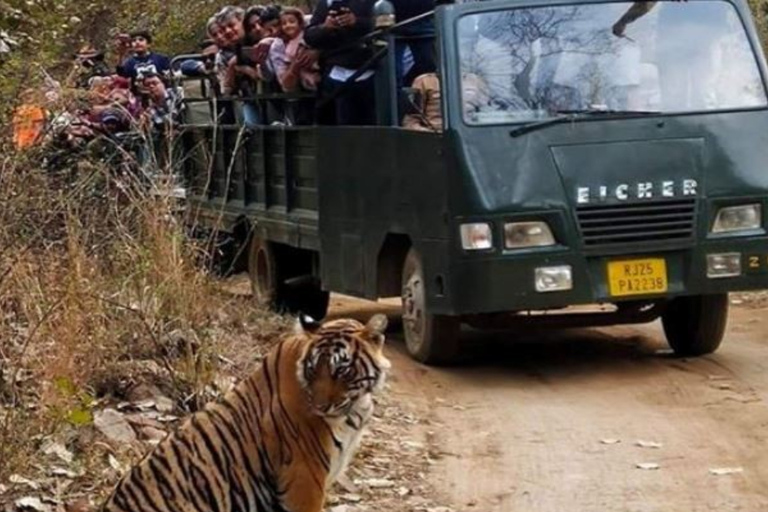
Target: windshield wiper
column 565, row 116
column 608, row 111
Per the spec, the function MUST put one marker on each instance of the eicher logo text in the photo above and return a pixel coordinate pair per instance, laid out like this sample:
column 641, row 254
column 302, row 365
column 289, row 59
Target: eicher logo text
column 632, row 191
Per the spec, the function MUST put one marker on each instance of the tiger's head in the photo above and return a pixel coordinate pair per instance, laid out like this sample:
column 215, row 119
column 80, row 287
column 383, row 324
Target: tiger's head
column 342, row 363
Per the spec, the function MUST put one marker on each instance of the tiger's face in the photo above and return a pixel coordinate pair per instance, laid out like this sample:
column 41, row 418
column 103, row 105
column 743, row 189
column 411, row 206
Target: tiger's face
column 343, row 364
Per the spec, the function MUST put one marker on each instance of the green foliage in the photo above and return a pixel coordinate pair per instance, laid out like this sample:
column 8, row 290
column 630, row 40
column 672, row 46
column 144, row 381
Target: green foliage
column 78, row 413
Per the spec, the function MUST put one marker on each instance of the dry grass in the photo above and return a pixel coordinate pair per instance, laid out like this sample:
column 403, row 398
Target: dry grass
column 101, row 290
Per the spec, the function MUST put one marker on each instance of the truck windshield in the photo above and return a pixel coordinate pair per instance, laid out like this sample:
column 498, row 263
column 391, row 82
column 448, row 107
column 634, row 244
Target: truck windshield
column 532, row 63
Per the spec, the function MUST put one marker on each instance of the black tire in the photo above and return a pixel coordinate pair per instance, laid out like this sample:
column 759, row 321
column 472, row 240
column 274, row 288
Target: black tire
column 430, row 339
column 269, row 267
column 695, row 325
column 263, row 271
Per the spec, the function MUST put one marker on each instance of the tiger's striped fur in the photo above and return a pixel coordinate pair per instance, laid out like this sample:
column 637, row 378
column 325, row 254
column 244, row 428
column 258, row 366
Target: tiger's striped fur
column 278, row 440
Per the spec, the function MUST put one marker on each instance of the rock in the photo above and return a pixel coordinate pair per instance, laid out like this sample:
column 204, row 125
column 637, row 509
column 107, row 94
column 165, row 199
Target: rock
column 378, row 483
column 153, row 434
column 164, row 404
column 141, row 392
column 647, row 465
column 144, row 420
column 725, row 471
column 31, row 503
column 114, row 426
column 351, row 498
column 79, row 505
column 647, row 444
column 343, row 508
column 610, row 441
column 3, row 489
column 144, row 405
column 59, row 450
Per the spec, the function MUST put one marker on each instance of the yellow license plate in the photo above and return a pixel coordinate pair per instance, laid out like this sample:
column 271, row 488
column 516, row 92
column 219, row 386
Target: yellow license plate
column 637, row 277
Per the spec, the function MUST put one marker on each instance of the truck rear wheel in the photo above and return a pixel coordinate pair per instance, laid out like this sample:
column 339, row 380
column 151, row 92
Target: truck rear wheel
column 695, row 325
column 263, row 271
column 270, row 265
column 429, row 338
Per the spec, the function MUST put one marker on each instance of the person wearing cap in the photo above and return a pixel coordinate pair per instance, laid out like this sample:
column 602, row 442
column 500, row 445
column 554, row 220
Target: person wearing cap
column 90, row 64
column 143, row 61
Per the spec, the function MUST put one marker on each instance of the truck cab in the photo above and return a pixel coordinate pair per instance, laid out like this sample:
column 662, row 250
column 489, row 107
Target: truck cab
column 591, row 153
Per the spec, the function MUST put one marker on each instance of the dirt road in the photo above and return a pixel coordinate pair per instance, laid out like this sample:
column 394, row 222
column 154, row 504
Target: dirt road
column 551, row 422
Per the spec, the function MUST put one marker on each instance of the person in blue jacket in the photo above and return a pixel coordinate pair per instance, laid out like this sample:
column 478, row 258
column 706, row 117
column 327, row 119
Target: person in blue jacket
column 143, row 61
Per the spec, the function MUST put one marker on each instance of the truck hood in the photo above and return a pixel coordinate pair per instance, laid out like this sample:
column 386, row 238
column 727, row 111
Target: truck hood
column 629, row 171
column 713, row 155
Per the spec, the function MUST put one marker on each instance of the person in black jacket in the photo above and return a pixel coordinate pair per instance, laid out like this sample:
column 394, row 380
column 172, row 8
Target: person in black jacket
column 415, row 55
column 335, row 29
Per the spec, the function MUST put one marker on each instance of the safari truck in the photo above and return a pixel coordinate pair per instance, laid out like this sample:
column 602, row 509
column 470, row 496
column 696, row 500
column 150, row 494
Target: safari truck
column 591, row 153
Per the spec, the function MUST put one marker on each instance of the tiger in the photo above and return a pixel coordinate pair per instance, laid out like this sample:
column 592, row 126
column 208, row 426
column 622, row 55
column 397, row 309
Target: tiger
column 278, row 439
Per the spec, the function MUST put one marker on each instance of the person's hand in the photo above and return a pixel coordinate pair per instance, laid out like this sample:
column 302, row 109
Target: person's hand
column 261, row 52
column 618, row 28
column 247, row 71
column 346, row 19
column 331, row 20
column 305, row 58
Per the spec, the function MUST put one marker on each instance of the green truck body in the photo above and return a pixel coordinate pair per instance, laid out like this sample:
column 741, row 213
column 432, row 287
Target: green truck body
column 639, row 190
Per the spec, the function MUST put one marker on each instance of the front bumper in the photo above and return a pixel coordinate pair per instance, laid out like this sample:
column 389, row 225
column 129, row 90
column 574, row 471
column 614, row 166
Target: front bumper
column 496, row 283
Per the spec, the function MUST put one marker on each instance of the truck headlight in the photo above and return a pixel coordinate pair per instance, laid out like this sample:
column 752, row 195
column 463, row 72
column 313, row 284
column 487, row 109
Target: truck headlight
column 518, row 235
column 476, row 236
column 744, row 217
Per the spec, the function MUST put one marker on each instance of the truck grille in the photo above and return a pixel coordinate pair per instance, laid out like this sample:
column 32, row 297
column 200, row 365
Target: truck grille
column 615, row 224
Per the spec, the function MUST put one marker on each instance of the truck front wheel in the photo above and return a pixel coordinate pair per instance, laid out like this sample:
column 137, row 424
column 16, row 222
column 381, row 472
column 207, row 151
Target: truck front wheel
column 429, row 338
column 695, row 325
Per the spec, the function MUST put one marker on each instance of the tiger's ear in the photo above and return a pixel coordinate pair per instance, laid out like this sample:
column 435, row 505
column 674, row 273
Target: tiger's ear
column 305, row 324
column 376, row 327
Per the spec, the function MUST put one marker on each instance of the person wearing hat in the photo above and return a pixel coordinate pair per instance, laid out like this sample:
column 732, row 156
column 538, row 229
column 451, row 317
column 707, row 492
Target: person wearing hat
column 143, row 61
column 90, row 64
